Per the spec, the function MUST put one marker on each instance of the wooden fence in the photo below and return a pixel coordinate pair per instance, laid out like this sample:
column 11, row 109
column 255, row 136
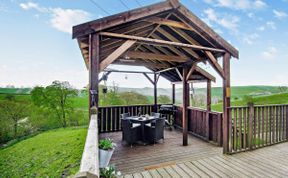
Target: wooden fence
column 204, row 124
column 257, row 126
column 109, row 116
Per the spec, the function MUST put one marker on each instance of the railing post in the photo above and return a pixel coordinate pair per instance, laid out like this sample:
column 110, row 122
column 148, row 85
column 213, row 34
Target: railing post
column 207, row 124
column 250, row 125
column 286, row 117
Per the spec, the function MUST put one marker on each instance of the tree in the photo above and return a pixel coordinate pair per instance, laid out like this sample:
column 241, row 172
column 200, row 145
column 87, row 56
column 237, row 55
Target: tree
column 133, row 98
column 56, row 97
column 112, row 96
column 283, row 89
column 10, row 97
column 13, row 111
column 164, row 99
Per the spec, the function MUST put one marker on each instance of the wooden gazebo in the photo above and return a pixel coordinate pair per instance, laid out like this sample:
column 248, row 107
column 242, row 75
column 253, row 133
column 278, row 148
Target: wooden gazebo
column 166, row 38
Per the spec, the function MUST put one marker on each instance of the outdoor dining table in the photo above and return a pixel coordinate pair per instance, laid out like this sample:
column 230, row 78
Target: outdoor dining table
column 142, row 120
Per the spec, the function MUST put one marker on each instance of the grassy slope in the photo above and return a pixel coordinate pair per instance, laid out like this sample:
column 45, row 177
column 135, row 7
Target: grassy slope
column 263, row 100
column 49, row 154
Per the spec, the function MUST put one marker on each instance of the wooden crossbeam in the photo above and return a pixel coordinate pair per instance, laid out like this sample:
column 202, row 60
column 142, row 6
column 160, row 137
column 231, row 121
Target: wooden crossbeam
column 160, row 57
column 160, row 42
column 180, row 75
column 149, row 78
column 193, row 67
column 142, row 63
column 168, row 22
column 213, row 61
column 205, row 74
column 117, row 53
column 172, row 38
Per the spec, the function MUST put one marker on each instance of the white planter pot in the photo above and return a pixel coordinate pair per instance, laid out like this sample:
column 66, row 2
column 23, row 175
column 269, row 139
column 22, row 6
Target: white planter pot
column 104, row 157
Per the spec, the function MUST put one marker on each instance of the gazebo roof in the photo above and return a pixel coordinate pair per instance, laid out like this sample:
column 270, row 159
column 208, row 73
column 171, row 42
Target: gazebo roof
column 160, row 36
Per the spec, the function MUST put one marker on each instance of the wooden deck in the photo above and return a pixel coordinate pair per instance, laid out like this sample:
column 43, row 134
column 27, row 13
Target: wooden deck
column 198, row 159
column 140, row 158
column 266, row 162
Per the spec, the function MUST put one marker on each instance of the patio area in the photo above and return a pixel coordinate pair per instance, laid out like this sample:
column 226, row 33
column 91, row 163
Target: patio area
column 266, row 162
column 168, row 153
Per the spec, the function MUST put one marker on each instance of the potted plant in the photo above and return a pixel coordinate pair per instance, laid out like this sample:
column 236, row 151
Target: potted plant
column 106, row 149
column 109, row 172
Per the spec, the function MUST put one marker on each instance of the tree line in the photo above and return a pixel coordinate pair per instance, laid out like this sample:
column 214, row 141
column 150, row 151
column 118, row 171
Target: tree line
column 54, row 106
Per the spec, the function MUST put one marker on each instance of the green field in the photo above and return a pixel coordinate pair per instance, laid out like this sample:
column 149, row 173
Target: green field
column 263, row 100
column 53, row 153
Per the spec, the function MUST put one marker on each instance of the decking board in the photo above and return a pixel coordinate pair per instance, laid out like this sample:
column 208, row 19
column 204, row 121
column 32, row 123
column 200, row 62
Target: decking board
column 198, row 159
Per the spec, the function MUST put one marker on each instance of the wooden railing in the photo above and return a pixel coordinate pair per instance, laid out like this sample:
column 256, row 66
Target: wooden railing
column 89, row 166
column 109, row 116
column 257, row 126
column 202, row 123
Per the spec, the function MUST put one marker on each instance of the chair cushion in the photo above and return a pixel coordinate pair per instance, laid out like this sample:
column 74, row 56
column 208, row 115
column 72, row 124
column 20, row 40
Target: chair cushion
column 148, row 124
column 135, row 125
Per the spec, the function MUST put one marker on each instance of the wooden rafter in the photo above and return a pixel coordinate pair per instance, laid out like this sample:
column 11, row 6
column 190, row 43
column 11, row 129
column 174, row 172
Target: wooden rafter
column 167, row 16
column 159, row 42
column 172, row 38
column 179, row 74
column 118, row 52
column 161, row 57
column 215, row 64
column 167, row 22
column 191, row 70
column 205, row 74
column 149, row 78
column 142, row 63
column 117, row 19
column 207, row 31
column 155, row 51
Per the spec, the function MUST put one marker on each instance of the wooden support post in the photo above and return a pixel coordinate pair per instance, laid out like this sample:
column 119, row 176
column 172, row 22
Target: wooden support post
column 209, row 95
column 94, row 56
column 208, row 109
column 185, row 105
column 173, row 93
column 155, row 93
column 250, row 125
column 226, row 103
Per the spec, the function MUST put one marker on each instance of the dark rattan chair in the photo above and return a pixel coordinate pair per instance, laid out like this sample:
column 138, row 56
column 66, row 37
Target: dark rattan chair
column 155, row 133
column 130, row 134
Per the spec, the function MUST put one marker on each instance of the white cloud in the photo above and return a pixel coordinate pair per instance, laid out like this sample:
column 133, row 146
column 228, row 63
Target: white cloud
column 64, row 19
column 271, row 25
column 60, row 19
column 32, row 5
column 238, row 4
column 270, row 53
column 261, row 28
column 250, row 39
column 228, row 22
column 280, row 14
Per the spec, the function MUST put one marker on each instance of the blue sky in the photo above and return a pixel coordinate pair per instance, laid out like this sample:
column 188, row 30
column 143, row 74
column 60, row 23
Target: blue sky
column 36, row 45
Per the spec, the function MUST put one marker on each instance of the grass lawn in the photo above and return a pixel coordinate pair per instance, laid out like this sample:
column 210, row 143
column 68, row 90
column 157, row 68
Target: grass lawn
column 263, row 100
column 53, row 153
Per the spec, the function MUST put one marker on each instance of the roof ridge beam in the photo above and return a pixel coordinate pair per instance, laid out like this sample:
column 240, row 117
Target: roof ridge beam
column 124, row 17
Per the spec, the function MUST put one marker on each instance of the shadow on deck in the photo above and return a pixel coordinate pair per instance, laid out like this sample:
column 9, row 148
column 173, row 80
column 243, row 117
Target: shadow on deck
column 140, row 158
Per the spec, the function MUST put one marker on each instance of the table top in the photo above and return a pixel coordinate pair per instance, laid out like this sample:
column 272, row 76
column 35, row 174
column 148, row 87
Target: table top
column 141, row 118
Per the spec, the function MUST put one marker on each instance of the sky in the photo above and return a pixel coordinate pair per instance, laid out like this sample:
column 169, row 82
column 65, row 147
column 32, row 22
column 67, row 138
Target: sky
column 36, row 46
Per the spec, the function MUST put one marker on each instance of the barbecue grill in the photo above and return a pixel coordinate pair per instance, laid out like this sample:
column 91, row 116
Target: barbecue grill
column 168, row 110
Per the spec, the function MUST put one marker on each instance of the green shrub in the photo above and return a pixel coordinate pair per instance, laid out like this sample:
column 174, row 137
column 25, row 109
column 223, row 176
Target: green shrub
column 106, row 144
column 109, row 172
